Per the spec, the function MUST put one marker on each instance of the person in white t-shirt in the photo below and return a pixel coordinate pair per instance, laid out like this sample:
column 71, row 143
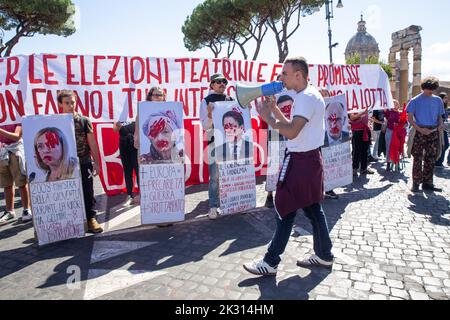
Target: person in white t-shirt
column 300, row 184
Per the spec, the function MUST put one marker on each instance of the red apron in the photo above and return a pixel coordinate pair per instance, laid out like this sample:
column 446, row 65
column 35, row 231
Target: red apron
column 300, row 182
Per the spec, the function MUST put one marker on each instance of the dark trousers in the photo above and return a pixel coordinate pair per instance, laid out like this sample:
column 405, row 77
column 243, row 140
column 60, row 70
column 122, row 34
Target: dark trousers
column 128, row 156
column 440, row 161
column 87, row 180
column 360, row 151
column 321, row 235
column 424, row 152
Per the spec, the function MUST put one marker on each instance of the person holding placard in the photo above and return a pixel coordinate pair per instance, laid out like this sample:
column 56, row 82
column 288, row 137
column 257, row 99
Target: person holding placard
column 218, row 85
column 52, row 155
column 300, row 184
column 155, row 94
column 12, row 172
column 86, row 150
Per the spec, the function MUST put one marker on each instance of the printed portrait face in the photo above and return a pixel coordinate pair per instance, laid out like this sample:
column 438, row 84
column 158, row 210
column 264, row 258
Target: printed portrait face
column 49, row 148
column 161, row 136
column 286, row 107
column 233, row 131
column 335, row 118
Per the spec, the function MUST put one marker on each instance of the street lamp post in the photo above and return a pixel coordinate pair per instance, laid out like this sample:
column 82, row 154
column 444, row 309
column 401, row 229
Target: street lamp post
column 329, row 15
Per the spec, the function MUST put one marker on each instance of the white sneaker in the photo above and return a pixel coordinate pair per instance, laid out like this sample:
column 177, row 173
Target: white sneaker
column 128, row 202
column 212, row 214
column 314, row 261
column 6, row 217
column 260, row 268
column 26, row 215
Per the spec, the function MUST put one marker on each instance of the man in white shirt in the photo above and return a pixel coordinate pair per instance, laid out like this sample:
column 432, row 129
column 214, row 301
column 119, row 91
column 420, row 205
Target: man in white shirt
column 300, row 185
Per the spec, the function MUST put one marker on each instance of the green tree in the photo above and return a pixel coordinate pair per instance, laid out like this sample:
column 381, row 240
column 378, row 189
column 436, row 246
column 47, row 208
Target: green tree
column 284, row 20
column 215, row 23
column 29, row 17
column 356, row 59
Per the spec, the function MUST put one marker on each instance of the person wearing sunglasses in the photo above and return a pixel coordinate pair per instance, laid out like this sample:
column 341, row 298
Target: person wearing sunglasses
column 218, row 85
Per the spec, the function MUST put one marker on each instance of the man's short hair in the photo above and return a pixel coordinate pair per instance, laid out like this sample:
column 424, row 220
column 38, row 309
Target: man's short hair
column 430, row 83
column 235, row 115
column 65, row 94
column 299, row 64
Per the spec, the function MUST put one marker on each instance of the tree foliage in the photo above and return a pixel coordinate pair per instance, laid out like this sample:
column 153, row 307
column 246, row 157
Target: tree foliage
column 356, row 59
column 29, row 17
column 215, row 23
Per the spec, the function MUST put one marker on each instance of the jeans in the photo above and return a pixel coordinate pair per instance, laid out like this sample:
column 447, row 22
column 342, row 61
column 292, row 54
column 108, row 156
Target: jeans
column 321, row 235
column 440, row 161
column 87, row 181
column 376, row 136
column 213, row 186
column 360, row 151
column 388, row 139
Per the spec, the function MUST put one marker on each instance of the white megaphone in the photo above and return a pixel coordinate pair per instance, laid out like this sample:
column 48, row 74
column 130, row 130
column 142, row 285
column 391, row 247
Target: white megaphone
column 246, row 94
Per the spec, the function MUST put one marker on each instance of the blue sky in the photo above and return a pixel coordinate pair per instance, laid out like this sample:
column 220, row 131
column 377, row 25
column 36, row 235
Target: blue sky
column 153, row 28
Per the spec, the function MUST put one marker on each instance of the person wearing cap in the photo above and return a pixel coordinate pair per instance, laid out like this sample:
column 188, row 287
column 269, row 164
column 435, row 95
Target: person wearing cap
column 425, row 114
column 218, row 85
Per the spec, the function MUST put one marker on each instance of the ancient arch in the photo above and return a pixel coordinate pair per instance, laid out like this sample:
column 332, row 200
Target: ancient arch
column 403, row 41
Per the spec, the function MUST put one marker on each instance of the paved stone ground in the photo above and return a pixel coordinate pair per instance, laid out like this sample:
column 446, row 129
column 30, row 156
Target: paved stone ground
column 389, row 244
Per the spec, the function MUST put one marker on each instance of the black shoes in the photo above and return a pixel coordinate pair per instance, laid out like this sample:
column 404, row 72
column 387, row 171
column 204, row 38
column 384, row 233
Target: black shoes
column 415, row 187
column 331, row 194
column 269, row 202
column 430, row 187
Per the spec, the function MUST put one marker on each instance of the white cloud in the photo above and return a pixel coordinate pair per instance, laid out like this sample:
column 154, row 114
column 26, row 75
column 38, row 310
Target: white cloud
column 439, row 49
column 373, row 18
column 435, row 61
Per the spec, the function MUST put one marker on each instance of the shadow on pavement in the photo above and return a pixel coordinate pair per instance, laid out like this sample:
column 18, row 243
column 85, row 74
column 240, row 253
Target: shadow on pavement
column 432, row 204
column 293, row 288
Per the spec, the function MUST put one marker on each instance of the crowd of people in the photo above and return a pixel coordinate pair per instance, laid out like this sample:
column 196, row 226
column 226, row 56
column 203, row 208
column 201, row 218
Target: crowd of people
column 309, row 126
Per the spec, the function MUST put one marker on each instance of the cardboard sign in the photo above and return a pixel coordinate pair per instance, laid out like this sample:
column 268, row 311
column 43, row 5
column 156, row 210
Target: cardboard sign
column 234, row 157
column 161, row 154
column 54, row 176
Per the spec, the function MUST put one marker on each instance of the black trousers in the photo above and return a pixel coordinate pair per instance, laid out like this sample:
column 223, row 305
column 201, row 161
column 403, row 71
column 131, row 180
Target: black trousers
column 87, row 180
column 128, row 155
column 360, row 150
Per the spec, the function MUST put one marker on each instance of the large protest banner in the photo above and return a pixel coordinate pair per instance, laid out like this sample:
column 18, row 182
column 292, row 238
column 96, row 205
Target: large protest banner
column 54, row 176
column 110, row 87
column 161, row 159
column 233, row 153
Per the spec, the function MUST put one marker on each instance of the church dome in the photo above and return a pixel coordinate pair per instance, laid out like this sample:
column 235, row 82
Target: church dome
column 362, row 43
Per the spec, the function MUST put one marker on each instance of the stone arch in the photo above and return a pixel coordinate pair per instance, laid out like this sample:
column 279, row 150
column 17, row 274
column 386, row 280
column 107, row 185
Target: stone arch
column 403, row 41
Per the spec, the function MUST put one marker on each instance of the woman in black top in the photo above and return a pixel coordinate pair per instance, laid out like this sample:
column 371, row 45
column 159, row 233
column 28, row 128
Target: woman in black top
column 128, row 155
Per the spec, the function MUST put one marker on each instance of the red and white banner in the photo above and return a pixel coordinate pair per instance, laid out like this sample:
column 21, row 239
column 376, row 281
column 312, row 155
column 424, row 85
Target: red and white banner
column 110, row 87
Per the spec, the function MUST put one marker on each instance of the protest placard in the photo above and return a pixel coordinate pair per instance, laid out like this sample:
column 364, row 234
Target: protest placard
column 54, row 176
column 234, row 156
column 161, row 154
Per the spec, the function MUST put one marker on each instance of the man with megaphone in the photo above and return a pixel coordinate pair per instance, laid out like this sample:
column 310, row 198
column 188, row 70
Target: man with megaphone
column 218, row 85
column 300, row 184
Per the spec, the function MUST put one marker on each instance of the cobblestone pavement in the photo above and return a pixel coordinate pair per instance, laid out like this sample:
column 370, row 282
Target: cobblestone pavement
column 389, row 244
